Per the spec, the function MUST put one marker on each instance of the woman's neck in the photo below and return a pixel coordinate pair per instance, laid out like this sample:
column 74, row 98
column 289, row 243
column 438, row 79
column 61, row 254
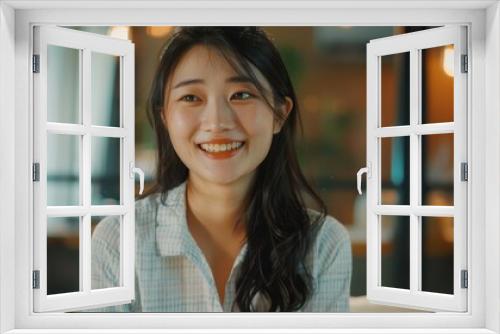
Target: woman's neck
column 215, row 206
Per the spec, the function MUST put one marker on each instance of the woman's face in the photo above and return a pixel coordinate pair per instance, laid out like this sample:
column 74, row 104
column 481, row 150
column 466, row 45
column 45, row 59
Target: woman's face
column 218, row 122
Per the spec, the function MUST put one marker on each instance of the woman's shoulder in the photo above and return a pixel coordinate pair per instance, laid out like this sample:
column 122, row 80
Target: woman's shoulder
column 328, row 228
column 148, row 203
column 330, row 238
column 145, row 210
column 106, row 234
column 169, row 198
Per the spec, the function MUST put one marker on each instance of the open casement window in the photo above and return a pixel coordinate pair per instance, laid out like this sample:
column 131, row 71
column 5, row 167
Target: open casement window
column 407, row 141
column 83, row 115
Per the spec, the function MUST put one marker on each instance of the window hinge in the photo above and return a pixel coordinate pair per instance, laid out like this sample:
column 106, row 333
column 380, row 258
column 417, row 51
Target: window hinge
column 465, row 64
column 465, row 279
column 464, row 171
column 36, row 279
column 36, row 63
column 36, row 171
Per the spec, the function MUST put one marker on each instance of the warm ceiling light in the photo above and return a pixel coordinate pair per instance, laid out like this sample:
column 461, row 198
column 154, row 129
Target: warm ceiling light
column 448, row 61
column 158, row 31
column 120, row 32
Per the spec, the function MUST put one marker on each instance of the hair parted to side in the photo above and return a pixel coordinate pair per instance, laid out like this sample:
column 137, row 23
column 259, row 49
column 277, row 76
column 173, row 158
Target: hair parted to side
column 278, row 225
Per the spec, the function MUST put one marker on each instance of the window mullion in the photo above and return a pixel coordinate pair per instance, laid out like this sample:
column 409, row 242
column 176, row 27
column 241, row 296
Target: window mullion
column 415, row 260
column 85, row 240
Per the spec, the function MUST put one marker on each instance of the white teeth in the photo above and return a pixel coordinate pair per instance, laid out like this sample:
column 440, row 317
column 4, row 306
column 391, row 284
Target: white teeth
column 221, row 147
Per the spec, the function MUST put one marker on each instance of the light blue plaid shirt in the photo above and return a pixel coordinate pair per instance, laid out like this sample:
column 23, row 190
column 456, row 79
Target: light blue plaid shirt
column 172, row 274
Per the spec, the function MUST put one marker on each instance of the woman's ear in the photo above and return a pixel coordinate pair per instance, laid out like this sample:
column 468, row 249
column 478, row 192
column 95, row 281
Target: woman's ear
column 162, row 115
column 286, row 107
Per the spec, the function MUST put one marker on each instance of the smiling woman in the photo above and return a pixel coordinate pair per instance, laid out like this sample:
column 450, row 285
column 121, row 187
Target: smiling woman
column 226, row 227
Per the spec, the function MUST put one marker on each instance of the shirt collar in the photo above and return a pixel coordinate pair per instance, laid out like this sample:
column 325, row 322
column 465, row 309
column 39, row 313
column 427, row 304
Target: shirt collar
column 172, row 233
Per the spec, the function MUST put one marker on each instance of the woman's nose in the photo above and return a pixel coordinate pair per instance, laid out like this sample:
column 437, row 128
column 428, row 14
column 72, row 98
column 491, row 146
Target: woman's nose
column 218, row 116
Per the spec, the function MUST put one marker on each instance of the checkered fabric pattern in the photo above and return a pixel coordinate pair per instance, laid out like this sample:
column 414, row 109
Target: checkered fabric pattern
column 172, row 274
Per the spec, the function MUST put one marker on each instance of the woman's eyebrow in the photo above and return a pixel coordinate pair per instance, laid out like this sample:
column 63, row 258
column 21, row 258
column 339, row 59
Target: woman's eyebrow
column 240, row 79
column 188, row 82
column 237, row 79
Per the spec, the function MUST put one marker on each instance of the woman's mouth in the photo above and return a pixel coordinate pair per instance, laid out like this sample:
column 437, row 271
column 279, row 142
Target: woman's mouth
column 221, row 151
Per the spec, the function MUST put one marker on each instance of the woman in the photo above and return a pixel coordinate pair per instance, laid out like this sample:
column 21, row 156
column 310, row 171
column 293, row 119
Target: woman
column 225, row 227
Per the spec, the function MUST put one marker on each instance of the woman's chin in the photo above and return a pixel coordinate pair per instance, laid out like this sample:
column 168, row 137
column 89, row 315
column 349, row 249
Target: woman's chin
column 223, row 178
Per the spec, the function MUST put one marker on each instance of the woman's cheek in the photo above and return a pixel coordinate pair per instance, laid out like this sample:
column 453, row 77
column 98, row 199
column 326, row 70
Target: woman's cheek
column 249, row 119
column 182, row 121
column 258, row 122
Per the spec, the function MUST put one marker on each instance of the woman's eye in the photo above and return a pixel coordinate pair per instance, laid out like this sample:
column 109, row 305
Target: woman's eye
column 189, row 98
column 243, row 95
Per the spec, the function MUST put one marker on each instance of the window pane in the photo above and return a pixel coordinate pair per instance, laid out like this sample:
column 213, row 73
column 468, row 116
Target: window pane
column 395, row 89
column 105, row 171
column 437, row 254
column 63, row 254
column 63, row 169
column 63, row 84
column 395, row 184
column 395, row 250
column 106, row 255
column 105, row 89
column 437, row 84
column 437, row 171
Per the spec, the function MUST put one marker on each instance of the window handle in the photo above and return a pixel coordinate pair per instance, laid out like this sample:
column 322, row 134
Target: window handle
column 136, row 170
column 361, row 171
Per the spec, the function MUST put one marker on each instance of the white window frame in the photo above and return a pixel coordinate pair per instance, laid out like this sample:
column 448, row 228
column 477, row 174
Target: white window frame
column 16, row 128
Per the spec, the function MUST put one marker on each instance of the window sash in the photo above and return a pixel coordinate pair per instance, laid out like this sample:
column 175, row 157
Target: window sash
column 414, row 297
column 85, row 43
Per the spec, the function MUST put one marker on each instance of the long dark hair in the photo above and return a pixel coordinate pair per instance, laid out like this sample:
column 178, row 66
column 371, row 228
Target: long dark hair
column 278, row 224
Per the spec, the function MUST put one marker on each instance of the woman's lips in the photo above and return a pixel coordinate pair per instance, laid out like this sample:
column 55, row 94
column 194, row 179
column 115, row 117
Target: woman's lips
column 222, row 154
